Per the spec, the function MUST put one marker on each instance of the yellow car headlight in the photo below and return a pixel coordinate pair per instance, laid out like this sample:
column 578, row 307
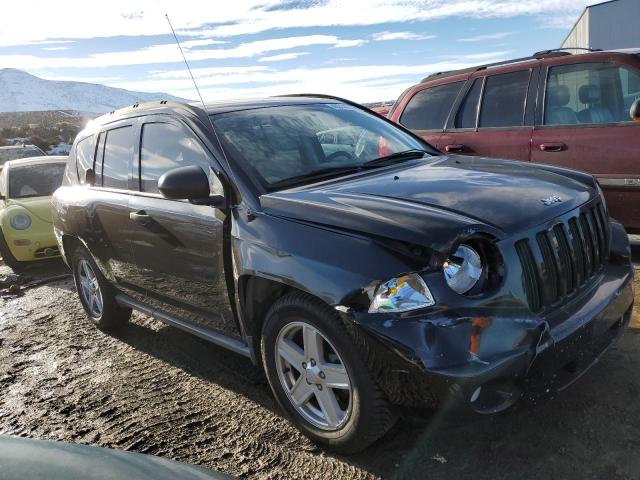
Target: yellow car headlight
column 20, row 221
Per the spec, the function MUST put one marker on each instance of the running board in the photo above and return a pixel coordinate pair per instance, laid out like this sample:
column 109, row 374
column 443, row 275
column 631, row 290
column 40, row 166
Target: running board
column 233, row 344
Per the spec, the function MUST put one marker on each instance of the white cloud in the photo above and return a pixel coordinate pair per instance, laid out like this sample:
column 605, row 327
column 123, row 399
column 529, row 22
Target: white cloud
column 360, row 83
column 401, row 36
column 191, row 17
column 489, row 36
column 283, row 56
column 169, row 53
column 52, row 49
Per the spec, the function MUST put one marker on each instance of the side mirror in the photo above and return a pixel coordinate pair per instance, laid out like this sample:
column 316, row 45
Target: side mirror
column 188, row 183
column 634, row 111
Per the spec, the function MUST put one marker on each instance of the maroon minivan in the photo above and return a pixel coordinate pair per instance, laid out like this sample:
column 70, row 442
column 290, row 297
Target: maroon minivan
column 569, row 110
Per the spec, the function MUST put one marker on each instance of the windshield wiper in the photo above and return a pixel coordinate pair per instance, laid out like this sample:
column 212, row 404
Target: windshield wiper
column 319, row 174
column 325, row 173
column 398, row 156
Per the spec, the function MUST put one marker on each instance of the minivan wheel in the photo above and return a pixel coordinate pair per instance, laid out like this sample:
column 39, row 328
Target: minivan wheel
column 318, row 377
column 96, row 294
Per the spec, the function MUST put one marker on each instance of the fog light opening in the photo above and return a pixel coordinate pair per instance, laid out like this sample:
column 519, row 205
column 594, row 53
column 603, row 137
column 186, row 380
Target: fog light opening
column 494, row 397
column 49, row 252
column 475, row 394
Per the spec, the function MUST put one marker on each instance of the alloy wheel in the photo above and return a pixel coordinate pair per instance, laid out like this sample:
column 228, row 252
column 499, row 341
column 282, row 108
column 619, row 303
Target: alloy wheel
column 313, row 376
column 90, row 288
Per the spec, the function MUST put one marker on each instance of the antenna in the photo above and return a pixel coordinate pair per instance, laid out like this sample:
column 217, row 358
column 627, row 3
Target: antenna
column 186, row 63
column 204, row 107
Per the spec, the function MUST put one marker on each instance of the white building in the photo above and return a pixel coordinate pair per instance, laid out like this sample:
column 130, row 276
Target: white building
column 609, row 25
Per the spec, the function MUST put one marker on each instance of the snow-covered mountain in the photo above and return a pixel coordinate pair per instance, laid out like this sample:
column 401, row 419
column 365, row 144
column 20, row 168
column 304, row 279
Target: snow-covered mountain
column 23, row 92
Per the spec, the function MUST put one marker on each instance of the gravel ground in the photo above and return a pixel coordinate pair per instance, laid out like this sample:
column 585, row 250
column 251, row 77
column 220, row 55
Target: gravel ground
column 154, row 389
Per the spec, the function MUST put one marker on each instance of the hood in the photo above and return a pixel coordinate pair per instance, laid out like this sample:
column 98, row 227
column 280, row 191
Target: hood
column 436, row 201
column 39, row 207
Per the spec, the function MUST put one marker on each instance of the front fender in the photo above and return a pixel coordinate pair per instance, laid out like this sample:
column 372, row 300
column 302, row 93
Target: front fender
column 333, row 266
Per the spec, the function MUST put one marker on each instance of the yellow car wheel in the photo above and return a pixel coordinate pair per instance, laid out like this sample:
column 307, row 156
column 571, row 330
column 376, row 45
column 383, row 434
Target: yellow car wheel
column 8, row 258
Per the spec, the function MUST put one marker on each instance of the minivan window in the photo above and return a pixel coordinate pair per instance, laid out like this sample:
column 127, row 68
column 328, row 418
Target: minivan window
column 590, row 93
column 468, row 112
column 84, row 158
column 428, row 109
column 118, row 152
column 504, row 99
column 165, row 146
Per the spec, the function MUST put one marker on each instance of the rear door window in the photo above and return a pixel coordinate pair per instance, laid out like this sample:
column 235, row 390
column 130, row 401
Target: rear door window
column 428, row 109
column 118, row 154
column 590, row 93
column 503, row 103
column 468, row 112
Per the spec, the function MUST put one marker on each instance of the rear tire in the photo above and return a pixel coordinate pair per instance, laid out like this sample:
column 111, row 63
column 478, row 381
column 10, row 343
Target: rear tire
column 16, row 265
column 356, row 412
column 97, row 295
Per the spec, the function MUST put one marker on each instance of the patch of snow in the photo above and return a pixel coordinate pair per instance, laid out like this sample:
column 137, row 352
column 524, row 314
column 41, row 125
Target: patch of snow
column 23, row 92
column 60, row 149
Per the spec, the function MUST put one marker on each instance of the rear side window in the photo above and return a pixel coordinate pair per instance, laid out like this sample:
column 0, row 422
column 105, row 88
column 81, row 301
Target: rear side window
column 504, row 100
column 428, row 109
column 84, row 158
column 166, row 146
column 590, row 93
column 468, row 112
column 118, row 153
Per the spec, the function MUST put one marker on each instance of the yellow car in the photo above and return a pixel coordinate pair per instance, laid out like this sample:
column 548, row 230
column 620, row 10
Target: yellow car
column 26, row 231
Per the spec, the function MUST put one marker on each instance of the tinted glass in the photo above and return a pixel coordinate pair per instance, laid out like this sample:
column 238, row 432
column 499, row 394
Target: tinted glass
column 504, row 100
column 277, row 143
column 84, row 157
column 118, row 152
column 590, row 93
column 35, row 180
column 428, row 109
column 166, row 146
column 467, row 114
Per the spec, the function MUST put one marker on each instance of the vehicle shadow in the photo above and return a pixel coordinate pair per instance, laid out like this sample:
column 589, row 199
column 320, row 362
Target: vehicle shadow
column 198, row 357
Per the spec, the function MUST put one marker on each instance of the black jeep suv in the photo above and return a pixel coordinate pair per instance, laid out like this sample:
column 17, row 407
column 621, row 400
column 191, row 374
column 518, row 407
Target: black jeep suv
column 359, row 266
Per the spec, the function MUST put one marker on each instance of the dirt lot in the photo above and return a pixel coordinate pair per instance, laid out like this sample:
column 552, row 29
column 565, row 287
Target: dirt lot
column 155, row 389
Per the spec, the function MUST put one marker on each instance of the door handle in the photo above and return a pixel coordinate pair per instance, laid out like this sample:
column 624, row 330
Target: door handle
column 140, row 217
column 458, row 148
column 552, row 147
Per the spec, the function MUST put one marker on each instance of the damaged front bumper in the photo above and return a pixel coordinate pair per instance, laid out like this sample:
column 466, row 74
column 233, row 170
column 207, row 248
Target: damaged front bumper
column 489, row 357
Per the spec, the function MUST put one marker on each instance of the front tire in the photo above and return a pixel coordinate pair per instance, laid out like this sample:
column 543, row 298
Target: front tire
column 96, row 294
column 16, row 265
column 318, row 377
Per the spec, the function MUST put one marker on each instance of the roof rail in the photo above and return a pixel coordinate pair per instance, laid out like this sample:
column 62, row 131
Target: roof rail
column 563, row 50
column 558, row 52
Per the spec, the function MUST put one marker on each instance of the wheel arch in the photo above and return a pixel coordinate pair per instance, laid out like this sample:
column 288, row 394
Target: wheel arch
column 257, row 295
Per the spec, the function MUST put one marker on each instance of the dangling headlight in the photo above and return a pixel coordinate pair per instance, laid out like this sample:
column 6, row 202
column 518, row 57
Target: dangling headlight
column 401, row 294
column 463, row 269
column 20, row 221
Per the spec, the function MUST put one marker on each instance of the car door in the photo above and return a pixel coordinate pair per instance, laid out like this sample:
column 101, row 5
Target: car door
column 426, row 112
column 584, row 124
column 107, row 233
column 493, row 118
column 177, row 245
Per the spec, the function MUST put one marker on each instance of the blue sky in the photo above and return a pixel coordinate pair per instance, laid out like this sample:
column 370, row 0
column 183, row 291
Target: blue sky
column 362, row 50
